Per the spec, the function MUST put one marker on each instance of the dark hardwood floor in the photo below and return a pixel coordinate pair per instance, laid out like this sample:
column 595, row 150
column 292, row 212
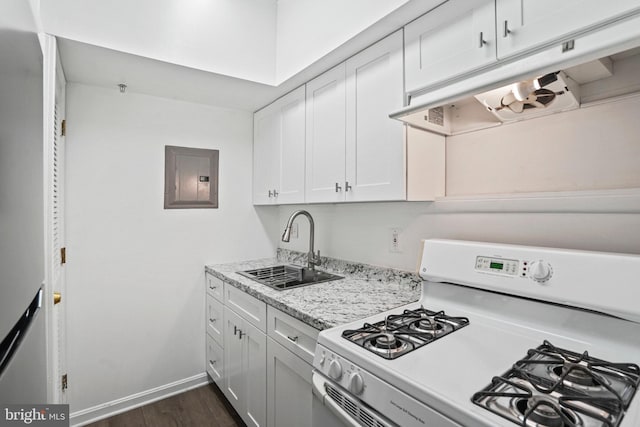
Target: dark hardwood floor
column 203, row 406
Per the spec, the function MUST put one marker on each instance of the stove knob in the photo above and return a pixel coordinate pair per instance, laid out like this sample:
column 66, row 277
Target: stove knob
column 356, row 383
column 540, row 271
column 335, row 370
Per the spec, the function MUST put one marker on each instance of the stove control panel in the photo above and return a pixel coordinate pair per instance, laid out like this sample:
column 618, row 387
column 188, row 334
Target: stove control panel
column 501, row 266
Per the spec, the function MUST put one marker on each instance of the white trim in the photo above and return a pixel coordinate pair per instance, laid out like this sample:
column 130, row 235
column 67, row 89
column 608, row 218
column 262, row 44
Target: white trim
column 136, row 400
column 598, row 201
column 48, row 126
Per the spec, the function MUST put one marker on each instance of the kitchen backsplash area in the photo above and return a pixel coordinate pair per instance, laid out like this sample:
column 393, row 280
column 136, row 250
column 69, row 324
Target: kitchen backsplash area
column 362, row 231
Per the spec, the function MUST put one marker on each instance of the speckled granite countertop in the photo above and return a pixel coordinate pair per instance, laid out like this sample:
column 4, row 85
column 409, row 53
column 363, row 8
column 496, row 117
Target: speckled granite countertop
column 364, row 291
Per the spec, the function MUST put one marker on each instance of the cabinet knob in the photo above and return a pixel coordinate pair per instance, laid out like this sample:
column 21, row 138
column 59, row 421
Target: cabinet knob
column 338, row 188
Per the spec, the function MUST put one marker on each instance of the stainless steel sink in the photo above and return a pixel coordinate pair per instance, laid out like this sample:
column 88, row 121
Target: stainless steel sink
column 282, row 277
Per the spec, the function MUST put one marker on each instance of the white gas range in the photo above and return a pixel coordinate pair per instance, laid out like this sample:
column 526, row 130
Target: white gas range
column 503, row 335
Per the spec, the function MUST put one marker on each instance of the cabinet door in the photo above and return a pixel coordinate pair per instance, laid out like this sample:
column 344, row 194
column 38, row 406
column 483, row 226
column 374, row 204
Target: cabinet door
column 289, row 395
column 375, row 145
column 325, row 142
column 291, row 148
column 234, row 376
column 254, row 354
column 455, row 38
column 266, row 155
column 215, row 361
column 524, row 24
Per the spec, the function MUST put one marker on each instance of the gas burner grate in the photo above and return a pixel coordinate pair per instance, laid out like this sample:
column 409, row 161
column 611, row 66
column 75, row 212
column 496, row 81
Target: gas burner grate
column 555, row 387
column 399, row 334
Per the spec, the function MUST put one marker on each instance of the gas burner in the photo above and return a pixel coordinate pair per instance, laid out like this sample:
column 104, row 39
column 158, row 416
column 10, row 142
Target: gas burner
column 427, row 326
column 386, row 343
column 399, row 334
column 577, row 376
column 553, row 387
column 545, row 411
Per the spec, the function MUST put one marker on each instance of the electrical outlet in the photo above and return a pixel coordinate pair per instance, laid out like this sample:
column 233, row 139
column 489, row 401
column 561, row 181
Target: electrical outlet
column 394, row 240
column 294, row 230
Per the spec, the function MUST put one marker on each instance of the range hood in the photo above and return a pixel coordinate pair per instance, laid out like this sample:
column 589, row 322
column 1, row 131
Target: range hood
column 545, row 82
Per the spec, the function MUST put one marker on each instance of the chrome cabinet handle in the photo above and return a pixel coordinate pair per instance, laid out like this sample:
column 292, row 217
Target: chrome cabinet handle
column 235, row 330
column 482, row 40
column 506, row 30
column 275, row 193
column 212, row 362
column 270, row 194
column 338, row 188
column 294, row 339
column 212, row 320
column 240, row 333
column 347, row 187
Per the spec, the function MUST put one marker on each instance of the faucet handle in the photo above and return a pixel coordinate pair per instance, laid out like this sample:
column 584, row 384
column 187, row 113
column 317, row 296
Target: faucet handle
column 316, row 258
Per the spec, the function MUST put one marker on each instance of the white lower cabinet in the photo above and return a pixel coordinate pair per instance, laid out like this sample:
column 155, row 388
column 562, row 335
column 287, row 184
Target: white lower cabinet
column 245, row 379
column 289, row 393
column 260, row 357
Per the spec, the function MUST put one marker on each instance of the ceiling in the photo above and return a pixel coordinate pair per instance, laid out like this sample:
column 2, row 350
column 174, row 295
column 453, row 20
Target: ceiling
column 88, row 64
column 216, row 52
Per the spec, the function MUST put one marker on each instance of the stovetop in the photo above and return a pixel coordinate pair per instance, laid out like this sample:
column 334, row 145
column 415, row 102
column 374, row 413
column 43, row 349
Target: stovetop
column 555, row 387
column 404, row 332
column 445, row 373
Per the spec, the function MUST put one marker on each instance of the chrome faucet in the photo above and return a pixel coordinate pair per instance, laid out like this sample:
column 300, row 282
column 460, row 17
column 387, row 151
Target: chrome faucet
column 312, row 259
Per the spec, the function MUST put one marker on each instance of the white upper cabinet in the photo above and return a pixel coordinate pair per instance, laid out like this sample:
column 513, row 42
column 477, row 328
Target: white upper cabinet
column 526, row 24
column 278, row 151
column 355, row 152
column 375, row 144
column 325, row 152
column 457, row 37
column 462, row 37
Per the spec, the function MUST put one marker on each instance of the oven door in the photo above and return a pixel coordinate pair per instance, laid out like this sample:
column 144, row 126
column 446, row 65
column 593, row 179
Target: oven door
column 335, row 407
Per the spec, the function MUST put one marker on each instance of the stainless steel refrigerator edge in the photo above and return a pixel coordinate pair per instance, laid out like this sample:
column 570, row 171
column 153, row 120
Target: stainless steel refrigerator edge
column 22, row 244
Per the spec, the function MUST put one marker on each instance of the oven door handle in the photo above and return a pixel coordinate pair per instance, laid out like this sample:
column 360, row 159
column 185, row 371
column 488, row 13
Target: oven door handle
column 319, row 391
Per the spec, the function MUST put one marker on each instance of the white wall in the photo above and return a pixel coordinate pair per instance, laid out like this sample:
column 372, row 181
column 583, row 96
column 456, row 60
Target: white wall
column 309, row 29
column 230, row 37
column 598, row 150
column 360, row 232
column 135, row 271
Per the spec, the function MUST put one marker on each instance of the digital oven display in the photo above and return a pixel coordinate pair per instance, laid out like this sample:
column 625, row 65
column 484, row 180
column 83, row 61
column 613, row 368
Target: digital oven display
column 499, row 266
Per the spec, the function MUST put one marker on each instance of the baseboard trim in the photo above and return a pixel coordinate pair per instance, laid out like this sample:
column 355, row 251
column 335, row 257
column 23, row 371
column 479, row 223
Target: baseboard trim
column 98, row 412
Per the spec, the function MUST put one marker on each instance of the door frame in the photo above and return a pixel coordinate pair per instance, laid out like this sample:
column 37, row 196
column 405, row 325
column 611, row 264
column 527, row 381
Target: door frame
column 54, row 87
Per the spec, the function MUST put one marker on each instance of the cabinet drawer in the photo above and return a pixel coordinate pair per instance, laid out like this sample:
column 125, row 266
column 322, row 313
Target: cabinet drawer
column 215, row 361
column 215, row 286
column 296, row 336
column 251, row 309
column 214, row 319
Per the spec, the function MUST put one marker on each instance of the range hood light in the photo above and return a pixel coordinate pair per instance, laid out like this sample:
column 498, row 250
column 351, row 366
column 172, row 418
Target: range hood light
column 522, row 90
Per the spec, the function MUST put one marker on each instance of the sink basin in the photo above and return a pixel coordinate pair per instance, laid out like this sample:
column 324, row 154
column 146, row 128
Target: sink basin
column 282, row 277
